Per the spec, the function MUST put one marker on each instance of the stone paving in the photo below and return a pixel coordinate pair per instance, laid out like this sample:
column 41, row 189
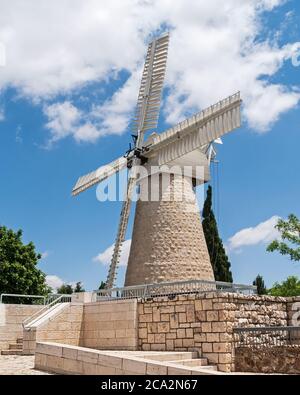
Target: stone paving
column 18, row 365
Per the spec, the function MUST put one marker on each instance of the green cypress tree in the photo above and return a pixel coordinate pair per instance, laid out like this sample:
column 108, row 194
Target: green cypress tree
column 260, row 284
column 102, row 285
column 218, row 257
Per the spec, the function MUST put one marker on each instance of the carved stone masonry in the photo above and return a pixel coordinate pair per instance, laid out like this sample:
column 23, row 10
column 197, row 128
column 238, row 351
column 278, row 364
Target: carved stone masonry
column 168, row 242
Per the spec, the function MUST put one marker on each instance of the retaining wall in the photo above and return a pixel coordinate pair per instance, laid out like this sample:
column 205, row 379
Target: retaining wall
column 110, row 325
column 205, row 323
column 202, row 322
column 63, row 327
column 101, row 325
column 283, row 359
column 11, row 318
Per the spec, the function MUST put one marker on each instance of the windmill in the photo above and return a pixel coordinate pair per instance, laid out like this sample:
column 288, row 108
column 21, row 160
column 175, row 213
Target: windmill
column 168, row 242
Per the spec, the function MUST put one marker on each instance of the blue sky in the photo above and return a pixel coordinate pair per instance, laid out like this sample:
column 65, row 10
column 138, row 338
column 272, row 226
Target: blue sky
column 66, row 96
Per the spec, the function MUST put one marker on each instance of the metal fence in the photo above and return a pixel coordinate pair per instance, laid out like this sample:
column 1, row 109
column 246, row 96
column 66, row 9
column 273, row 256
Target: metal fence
column 28, row 299
column 262, row 337
column 172, row 289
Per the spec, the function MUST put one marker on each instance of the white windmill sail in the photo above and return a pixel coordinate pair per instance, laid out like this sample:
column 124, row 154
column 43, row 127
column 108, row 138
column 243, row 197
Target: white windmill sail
column 197, row 131
column 149, row 97
column 146, row 118
column 101, row 174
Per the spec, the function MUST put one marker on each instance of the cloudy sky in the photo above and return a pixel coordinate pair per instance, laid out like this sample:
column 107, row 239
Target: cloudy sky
column 69, row 76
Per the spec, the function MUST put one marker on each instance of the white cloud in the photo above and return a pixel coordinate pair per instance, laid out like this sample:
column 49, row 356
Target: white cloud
column 45, row 254
column 2, row 114
column 54, row 281
column 264, row 232
column 114, row 115
column 57, row 47
column 64, row 119
column 105, row 257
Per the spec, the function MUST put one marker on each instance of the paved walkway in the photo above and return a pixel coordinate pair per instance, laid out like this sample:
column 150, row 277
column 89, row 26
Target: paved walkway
column 18, row 364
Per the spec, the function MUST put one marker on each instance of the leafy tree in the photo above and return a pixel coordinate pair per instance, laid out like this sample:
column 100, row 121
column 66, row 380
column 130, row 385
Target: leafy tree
column 65, row 289
column 102, row 285
column 290, row 235
column 218, row 257
column 289, row 287
column 78, row 287
column 18, row 266
column 260, row 284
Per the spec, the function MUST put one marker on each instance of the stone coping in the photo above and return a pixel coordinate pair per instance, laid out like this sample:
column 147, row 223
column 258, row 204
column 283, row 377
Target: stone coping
column 67, row 359
column 270, row 348
column 221, row 295
column 119, row 301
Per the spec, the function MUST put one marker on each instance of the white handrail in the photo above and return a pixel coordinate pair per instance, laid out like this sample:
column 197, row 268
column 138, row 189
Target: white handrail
column 59, row 299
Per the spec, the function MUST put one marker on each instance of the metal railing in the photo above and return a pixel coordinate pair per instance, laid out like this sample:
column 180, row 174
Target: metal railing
column 266, row 337
column 172, row 289
column 50, row 298
column 34, row 317
column 28, row 297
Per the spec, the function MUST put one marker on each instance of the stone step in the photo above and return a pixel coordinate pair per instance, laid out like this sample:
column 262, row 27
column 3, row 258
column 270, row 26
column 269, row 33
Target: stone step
column 192, row 362
column 172, row 356
column 208, row 367
column 11, row 352
column 15, row 346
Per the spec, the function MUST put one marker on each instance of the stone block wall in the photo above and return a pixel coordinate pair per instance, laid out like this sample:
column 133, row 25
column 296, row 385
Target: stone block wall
column 99, row 325
column 284, row 359
column 205, row 323
column 11, row 318
column 65, row 327
column 65, row 359
column 260, row 311
column 178, row 251
column 293, row 311
column 202, row 323
column 110, row 325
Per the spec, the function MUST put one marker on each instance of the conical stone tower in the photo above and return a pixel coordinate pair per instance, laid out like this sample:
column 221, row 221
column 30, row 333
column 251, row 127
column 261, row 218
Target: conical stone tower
column 168, row 242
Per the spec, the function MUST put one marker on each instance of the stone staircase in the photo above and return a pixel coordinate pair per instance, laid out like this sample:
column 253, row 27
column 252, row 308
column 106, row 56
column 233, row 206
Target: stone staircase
column 185, row 360
column 46, row 313
column 89, row 361
column 14, row 348
column 194, row 363
column 189, row 361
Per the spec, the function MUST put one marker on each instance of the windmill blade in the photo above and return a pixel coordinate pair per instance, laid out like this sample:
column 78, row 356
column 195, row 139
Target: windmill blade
column 198, row 131
column 99, row 175
column 124, row 217
column 146, row 118
column 148, row 104
column 218, row 141
column 211, row 153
